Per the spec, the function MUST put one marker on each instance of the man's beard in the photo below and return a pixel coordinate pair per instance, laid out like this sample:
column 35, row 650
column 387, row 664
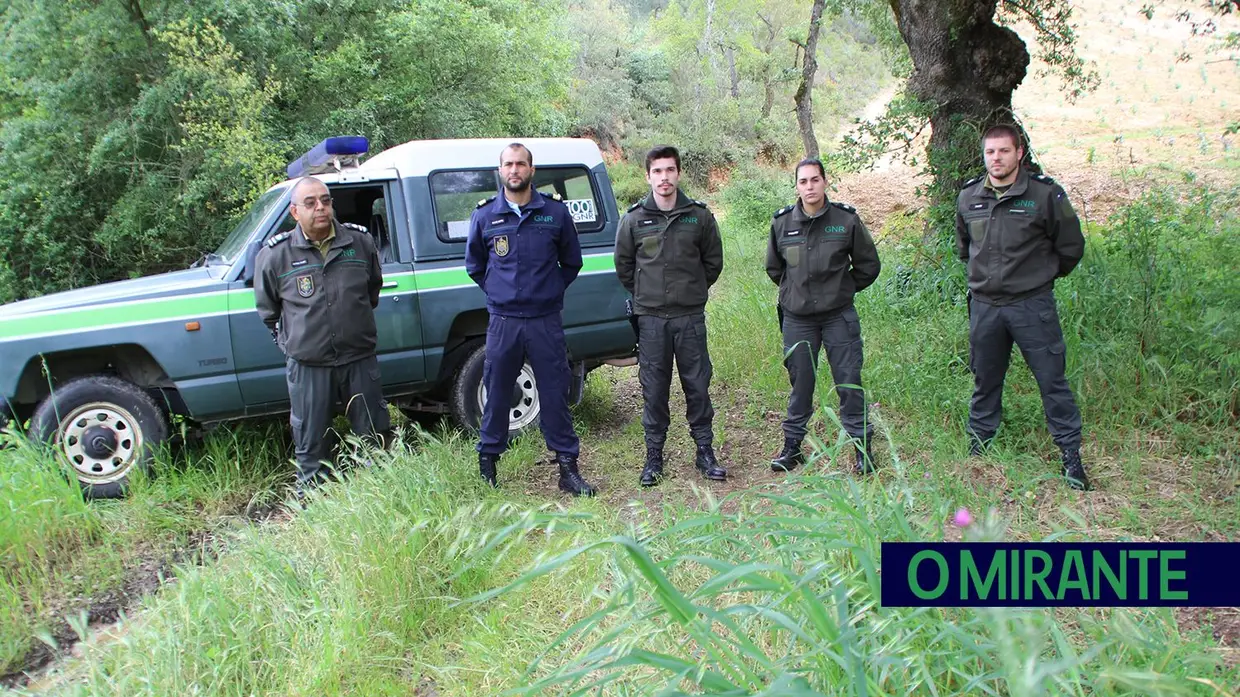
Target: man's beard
column 518, row 187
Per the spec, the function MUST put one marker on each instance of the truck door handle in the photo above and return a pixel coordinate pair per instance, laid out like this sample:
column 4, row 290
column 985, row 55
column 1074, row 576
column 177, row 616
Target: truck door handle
column 390, row 284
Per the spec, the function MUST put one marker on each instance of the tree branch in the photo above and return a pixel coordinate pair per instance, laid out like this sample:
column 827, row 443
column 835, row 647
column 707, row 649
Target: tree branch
column 134, row 8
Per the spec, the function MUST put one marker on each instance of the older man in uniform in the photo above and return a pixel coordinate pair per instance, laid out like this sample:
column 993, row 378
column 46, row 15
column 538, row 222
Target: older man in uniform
column 1018, row 232
column 820, row 255
column 668, row 255
column 316, row 288
column 523, row 252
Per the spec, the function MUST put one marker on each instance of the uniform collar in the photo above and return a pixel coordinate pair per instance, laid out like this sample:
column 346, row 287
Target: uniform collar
column 1017, row 188
column 340, row 239
column 799, row 215
column 682, row 202
column 500, row 204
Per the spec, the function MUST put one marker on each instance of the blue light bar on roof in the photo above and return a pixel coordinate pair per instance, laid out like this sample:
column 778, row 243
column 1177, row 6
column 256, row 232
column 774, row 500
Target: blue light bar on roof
column 329, row 156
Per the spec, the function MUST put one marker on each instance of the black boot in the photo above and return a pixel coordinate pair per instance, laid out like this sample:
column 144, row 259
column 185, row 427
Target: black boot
column 865, row 460
column 486, row 467
column 978, row 445
column 652, row 473
column 570, row 479
column 1074, row 469
column 789, row 458
column 708, row 465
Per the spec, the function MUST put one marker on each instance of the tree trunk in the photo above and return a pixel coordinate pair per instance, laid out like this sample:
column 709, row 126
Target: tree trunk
column 705, row 50
column 735, row 77
column 768, row 81
column 965, row 67
column 805, row 93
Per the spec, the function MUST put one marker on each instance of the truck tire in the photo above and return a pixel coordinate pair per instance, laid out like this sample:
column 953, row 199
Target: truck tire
column 468, row 396
column 104, row 428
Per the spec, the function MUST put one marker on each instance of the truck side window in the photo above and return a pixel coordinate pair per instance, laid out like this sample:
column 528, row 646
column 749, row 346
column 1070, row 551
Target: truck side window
column 457, row 193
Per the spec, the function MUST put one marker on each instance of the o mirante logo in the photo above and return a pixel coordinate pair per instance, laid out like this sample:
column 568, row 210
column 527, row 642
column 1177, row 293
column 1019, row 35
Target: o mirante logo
column 984, row 574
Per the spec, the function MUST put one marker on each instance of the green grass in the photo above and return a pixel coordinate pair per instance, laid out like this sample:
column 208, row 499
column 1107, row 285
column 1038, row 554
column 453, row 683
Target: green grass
column 412, row 577
column 59, row 553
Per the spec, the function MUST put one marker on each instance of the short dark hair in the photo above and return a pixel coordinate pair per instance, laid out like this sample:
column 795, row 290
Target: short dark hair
column 660, row 152
column 511, row 146
column 807, row 162
column 1000, row 130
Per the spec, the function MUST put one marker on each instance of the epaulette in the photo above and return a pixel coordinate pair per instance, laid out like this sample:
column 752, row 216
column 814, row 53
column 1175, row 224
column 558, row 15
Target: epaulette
column 637, row 205
column 554, row 196
column 355, row 226
column 972, row 181
column 1043, row 178
column 279, row 238
column 783, row 210
column 844, row 206
column 700, row 203
column 484, row 202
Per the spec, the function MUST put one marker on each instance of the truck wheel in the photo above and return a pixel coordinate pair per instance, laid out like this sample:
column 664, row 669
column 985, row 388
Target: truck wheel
column 469, row 396
column 104, row 427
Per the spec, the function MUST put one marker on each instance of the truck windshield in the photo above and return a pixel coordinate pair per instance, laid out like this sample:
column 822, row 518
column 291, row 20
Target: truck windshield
column 234, row 244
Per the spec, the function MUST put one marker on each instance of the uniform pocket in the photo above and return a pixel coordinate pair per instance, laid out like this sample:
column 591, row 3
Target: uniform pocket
column 852, row 321
column 650, row 245
column 977, row 229
column 792, row 255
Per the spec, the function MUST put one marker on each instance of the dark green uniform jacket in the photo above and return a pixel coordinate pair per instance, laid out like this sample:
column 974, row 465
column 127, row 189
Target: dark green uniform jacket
column 325, row 307
column 819, row 263
column 668, row 260
column 1018, row 244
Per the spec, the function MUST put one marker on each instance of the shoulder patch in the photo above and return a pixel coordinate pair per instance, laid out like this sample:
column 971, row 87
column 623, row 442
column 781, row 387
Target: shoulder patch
column 278, row 239
column 1042, row 178
column 355, row 226
column 972, row 181
column 843, row 206
column 484, row 202
column 783, row 210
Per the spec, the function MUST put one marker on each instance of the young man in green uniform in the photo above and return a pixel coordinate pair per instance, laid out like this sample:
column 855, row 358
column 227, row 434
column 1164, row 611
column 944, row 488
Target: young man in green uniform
column 1017, row 232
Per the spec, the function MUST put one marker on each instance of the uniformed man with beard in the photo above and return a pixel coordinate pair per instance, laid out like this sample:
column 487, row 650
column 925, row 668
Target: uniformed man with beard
column 1017, row 232
column 523, row 252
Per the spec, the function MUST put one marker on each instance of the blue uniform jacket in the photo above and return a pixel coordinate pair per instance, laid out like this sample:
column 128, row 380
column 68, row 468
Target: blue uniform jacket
column 523, row 263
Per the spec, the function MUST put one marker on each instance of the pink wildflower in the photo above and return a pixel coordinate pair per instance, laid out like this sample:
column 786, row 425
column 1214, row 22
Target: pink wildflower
column 963, row 518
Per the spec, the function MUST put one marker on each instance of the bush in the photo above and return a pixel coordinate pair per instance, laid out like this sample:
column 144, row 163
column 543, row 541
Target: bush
column 628, row 182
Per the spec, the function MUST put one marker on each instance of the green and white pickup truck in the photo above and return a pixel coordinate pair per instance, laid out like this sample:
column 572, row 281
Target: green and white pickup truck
column 99, row 372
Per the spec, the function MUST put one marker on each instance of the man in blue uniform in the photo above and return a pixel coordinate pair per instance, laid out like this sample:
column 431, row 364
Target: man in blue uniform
column 523, row 252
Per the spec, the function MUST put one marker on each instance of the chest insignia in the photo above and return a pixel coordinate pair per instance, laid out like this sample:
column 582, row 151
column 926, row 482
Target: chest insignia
column 501, row 246
column 305, row 286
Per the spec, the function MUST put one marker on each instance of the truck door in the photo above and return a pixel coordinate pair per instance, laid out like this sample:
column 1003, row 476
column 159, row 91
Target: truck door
column 260, row 363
